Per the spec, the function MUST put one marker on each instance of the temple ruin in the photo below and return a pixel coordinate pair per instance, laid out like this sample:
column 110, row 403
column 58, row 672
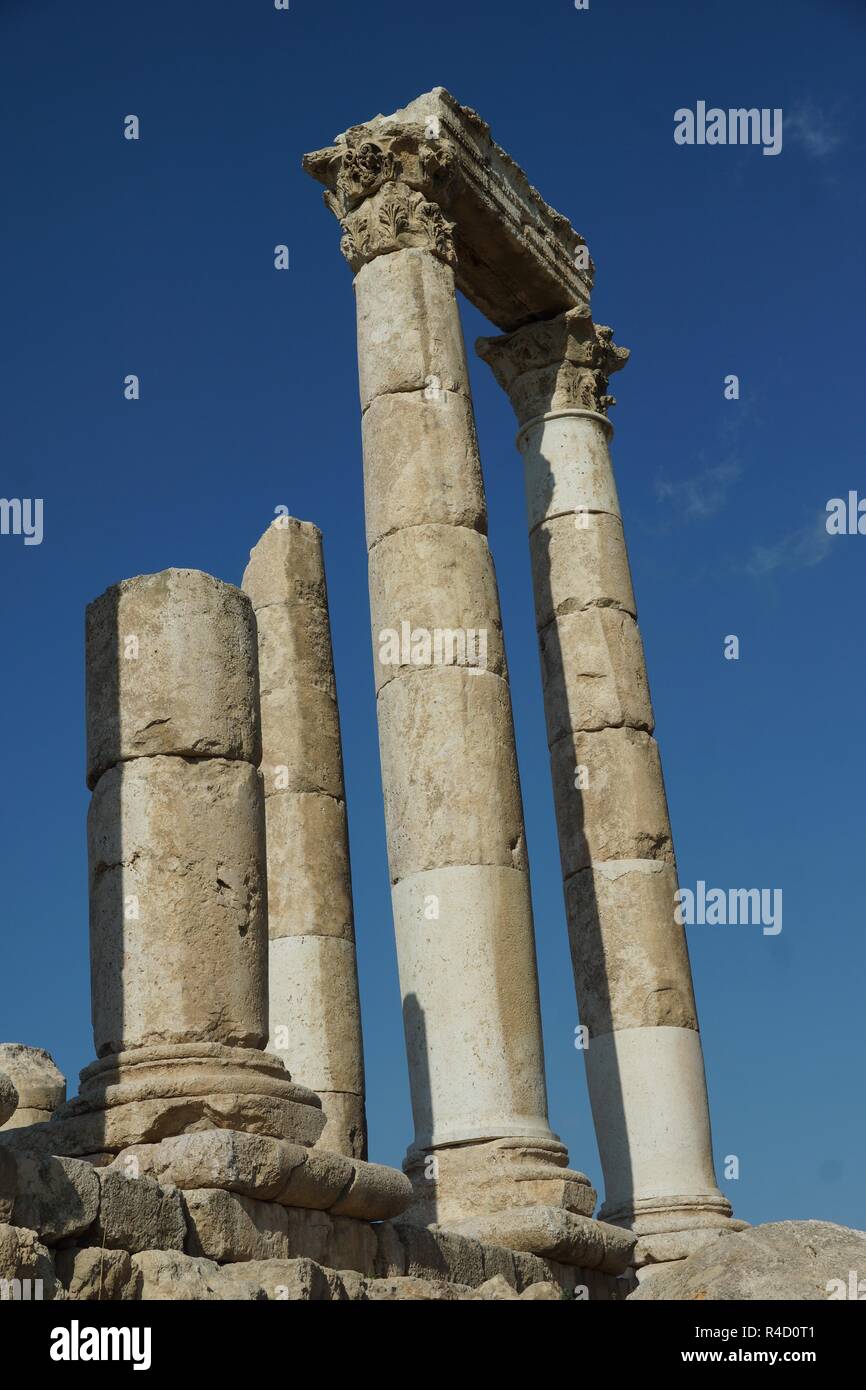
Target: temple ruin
column 217, row 1145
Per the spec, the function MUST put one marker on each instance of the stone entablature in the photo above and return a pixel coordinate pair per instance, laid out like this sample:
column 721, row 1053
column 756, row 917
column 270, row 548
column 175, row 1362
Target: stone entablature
column 431, row 175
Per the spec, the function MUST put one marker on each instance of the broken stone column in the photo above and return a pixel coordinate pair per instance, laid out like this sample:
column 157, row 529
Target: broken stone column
column 315, row 1014
column 178, row 906
column 634, row 987
column 41, row 1087
column 453, row 810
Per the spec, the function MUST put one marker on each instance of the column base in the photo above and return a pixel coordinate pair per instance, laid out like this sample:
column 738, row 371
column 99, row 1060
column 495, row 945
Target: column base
column 463, row 1181
column 153, row 1093
column 672, row 1228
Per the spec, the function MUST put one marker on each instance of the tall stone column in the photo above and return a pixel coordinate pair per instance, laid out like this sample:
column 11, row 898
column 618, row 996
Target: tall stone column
column 178, row 904
column 631, row 965
column 315, row 1012
column 453, row 810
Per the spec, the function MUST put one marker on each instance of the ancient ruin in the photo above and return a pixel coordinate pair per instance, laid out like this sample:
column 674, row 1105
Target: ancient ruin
column 217, row 1145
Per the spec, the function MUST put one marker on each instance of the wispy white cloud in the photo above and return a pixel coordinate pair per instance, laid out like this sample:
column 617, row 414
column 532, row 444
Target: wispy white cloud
column 798, row 550
column 813, row 129
column 703, row 494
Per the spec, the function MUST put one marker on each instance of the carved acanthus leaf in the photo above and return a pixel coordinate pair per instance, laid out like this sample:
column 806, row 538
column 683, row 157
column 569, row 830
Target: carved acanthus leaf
column 557, row 364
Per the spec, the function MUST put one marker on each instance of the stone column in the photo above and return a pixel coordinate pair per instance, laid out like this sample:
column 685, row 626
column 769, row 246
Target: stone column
column 315, row 1013
column 631, row 965
column 453, row 810
column 178, row 906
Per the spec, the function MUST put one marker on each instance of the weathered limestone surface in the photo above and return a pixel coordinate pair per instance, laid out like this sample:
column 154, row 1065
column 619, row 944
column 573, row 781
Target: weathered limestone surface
column 158, row 678
column 95, row 1274
column 630, row 957
column 8, row 1098
column 40, row 1086
column 184, row 840
column 314, row 1005
column 514, row 256
column 178, row 916
column 271, row 1170
column 23, row 1257
column 781, row 1261
column 453, row 809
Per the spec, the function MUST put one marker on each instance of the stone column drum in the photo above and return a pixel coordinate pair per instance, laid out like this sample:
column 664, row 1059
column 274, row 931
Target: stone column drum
column 315, row 1013
column 634, row 987
column 178, row 905
column 454, row 817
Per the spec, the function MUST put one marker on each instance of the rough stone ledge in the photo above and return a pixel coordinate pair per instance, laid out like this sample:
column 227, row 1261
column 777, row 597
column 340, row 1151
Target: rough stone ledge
column 272, row 1170
column 89, row 1273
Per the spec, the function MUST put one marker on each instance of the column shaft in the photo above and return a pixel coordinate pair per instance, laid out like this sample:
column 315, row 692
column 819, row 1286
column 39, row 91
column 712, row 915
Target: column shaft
column 453, row 809
column 632, row 973
column 315, row 1014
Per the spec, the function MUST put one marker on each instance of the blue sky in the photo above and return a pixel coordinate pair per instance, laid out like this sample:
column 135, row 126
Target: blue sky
column 156, row 258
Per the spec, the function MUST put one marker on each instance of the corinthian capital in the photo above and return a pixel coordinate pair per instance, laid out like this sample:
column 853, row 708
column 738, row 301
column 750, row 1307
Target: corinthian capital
column 382, row 191
column 558, row 364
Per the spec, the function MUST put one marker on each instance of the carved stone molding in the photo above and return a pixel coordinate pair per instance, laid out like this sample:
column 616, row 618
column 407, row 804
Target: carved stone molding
column 559, row 364
column 514, row 256
column 379, row 191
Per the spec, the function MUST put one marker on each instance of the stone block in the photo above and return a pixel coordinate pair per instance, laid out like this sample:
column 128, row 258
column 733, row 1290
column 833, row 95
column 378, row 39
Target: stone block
column 630, row 956
column 171, row 669
column 137, row 1214
column 301, row 742
column 287, row 566
column 26, row 1267
column 577, row 560
column 224, row 1227
column 345, row 1129
column 621, row 812
column 168, row 1276
column 556, row 1235
column 309, row 880
column 40, row 1086
column 566, row 466
column 8, row 1098
column 434, row 602
column 455, row 925
column 177, row 852
column 449, row 772
column 409, row 334
column 58, row 1197
column 96, row 1274
column 593, row 673
column 421, row 464
column 315, row 1011
column 295, row 648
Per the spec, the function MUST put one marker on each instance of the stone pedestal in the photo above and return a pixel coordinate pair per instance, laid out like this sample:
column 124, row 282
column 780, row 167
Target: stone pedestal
column 631, row 964
column 315, row 1014
column 453, row 810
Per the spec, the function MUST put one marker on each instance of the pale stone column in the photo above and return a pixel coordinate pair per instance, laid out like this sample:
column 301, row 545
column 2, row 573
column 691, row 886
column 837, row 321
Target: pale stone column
column 453, row 809
column 178, row 894
column 634, row 987
column 315, row 1012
